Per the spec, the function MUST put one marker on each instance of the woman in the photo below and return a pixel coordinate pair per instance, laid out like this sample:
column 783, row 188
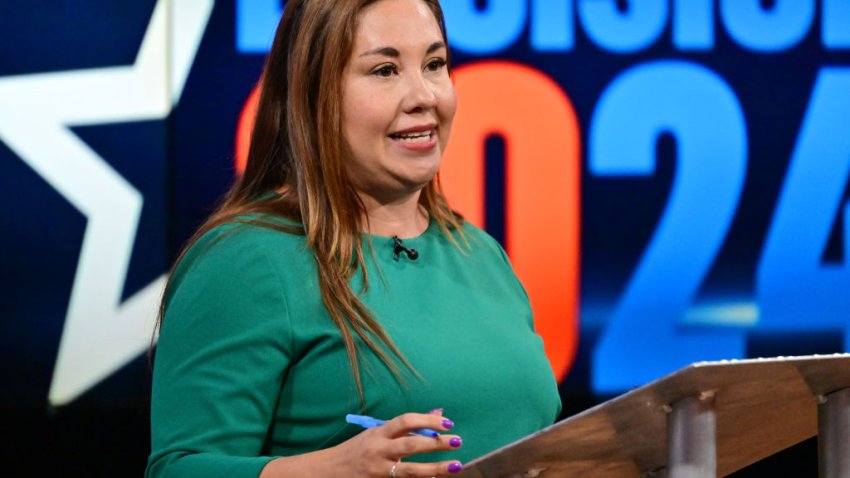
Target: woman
column 335, row 279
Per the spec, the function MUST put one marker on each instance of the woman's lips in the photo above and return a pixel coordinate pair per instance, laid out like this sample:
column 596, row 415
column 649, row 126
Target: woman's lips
column 416, row 141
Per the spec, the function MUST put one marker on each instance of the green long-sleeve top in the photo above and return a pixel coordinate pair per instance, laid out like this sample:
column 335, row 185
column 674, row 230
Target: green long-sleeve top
column 249, row 365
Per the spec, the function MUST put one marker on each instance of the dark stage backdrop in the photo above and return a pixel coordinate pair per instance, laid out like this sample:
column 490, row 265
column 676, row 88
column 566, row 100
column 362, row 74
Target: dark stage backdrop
column 669, row 178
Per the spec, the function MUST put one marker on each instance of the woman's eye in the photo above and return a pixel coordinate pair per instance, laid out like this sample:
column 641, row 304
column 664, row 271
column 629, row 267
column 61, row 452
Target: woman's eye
column 436, row 64
column 385, row 71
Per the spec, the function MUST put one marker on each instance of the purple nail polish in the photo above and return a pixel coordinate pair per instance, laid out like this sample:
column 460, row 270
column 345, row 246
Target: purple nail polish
column 455, row 442
column 455, row 467
column 448, row 424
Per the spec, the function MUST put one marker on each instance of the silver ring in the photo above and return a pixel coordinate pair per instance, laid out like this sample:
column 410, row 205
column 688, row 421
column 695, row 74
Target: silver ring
column 392, row 470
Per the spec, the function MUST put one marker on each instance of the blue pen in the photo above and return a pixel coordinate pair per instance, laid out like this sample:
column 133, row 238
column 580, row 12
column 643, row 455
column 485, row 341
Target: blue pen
column 369, row 422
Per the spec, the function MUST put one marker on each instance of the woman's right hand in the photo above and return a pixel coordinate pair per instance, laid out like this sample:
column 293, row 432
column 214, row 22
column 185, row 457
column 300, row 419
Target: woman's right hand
column 377, row 452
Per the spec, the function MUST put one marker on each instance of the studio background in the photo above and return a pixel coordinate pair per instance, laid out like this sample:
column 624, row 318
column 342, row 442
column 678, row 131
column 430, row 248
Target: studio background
column 669, row 178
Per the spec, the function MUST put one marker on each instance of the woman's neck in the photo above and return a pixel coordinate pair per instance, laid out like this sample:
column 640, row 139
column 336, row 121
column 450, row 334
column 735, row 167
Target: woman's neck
column 404, row 218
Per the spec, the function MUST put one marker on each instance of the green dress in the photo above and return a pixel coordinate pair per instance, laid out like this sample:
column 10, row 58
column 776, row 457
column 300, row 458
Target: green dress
column 249, row 366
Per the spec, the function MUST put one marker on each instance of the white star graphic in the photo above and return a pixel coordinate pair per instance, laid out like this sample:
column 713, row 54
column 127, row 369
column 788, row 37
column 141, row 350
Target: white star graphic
column 101, row 334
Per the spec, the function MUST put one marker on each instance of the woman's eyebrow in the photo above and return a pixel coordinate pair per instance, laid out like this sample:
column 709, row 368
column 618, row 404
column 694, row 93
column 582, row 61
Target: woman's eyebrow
column 394, row 53
column 435, row 46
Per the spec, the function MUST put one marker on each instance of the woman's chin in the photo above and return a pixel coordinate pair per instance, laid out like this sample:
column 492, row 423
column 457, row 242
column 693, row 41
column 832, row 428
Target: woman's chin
column 399, row 189
column 419, row 181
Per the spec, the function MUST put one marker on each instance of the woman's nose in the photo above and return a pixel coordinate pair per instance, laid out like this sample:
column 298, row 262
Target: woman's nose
column 420, row 94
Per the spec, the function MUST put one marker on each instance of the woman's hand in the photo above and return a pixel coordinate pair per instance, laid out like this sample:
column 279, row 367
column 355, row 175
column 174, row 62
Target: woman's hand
column 377, row 452
column 374, row 452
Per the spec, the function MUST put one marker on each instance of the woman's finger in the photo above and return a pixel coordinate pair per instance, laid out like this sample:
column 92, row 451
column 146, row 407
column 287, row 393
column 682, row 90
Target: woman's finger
column 406, row 469
column 412, row 445
column 411, row 422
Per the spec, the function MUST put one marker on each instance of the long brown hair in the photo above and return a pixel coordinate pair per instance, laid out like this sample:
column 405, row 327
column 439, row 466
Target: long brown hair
column 297, row 149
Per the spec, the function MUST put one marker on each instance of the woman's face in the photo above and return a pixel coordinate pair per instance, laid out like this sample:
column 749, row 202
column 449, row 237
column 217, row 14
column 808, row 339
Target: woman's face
column 398, row 99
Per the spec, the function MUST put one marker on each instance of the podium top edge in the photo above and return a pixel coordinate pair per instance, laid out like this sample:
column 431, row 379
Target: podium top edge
column 789, row 358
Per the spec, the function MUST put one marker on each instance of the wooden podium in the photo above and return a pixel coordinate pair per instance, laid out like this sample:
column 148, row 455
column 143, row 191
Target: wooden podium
column 706, row 420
